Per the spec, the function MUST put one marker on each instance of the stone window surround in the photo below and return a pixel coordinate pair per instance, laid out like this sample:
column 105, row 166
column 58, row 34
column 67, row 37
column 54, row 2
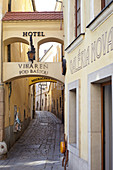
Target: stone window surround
column 82, row 26
column 72, row 148
column 95, row 78
column 105, row 13
column 78, row 40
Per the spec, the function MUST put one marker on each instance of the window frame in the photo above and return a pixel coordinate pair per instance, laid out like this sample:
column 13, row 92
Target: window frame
column 9, row 53
column 77, row 12
column 94, row 129
column 101, row 17
column 103, row 3
column 74, row 148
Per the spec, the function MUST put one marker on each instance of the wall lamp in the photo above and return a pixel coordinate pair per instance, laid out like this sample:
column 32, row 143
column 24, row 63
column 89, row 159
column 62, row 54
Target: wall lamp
column 31, row 53
column 58, row 1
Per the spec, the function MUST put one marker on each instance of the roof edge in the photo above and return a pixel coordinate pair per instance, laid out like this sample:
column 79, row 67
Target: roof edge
column 15, row 16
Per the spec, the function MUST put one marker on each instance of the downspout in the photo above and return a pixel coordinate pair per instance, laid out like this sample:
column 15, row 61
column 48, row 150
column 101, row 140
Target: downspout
column 10, row 90
column 1, row 77
column 1, row 51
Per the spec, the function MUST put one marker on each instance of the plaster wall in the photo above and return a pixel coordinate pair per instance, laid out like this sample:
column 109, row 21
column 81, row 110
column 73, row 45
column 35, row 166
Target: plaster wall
column 76, row 71
column 17, row 93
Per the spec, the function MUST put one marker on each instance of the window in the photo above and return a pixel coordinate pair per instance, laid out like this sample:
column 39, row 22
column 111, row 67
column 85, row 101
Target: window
column 54, row 104
column 104, row 3
column 9, row 5
column 57, row 105
column 9, row 52
column 102, row 13
column 24, row 113
column 60, row 102
column 77, row 18
column 73, row 123
column 73, row 117
column 106, row 125
column 42, row 102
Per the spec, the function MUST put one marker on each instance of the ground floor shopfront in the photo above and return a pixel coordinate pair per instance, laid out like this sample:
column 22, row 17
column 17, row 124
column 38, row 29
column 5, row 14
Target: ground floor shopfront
column 89, row 100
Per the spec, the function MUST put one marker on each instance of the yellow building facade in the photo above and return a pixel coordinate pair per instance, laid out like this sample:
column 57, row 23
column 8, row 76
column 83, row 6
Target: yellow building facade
column 16, row 95
column 88, row 43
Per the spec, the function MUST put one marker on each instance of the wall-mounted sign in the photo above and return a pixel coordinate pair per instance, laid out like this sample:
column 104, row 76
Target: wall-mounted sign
column 35, row 34
column 40, row 79
column 13, row 70
column 41, row 68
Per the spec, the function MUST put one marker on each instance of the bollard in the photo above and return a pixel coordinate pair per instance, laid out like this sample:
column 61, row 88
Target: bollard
column 3, row 150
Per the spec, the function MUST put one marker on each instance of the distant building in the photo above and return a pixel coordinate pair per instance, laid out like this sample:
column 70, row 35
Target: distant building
column 50, row 95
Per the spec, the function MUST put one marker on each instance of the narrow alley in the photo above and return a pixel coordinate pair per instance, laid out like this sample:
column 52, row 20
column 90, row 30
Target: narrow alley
column 39, row 146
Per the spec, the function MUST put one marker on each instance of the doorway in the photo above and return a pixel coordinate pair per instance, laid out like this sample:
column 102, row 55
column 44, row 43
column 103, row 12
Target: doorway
column 106, row 125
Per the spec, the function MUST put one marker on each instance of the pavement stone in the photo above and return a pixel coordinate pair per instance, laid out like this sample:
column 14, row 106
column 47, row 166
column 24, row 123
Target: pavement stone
column 39, row 146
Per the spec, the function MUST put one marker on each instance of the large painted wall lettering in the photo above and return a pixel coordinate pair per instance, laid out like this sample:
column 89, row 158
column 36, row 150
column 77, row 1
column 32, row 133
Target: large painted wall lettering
column 97, row 49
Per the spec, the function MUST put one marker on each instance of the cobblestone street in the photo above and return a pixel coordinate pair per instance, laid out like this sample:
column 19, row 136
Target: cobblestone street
column 39, row 146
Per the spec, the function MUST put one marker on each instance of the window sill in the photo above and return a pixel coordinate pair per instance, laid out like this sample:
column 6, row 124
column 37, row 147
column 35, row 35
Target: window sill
column 72, row 148
column 78, row 40
column 101, row 17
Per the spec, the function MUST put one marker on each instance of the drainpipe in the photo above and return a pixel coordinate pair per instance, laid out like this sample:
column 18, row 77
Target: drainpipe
column 33, row 101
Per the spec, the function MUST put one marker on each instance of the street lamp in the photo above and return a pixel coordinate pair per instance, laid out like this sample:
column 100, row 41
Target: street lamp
column 58, row 1
column 31, row 57
column 31, row 54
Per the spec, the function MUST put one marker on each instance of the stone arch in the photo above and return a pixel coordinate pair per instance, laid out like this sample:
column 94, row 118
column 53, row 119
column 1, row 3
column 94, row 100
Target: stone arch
column 53, row 79
column 14, row 40
column 50, row 39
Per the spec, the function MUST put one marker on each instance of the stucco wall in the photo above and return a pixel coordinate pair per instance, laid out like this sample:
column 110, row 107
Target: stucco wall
column 18, row 93
column 91, row 54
